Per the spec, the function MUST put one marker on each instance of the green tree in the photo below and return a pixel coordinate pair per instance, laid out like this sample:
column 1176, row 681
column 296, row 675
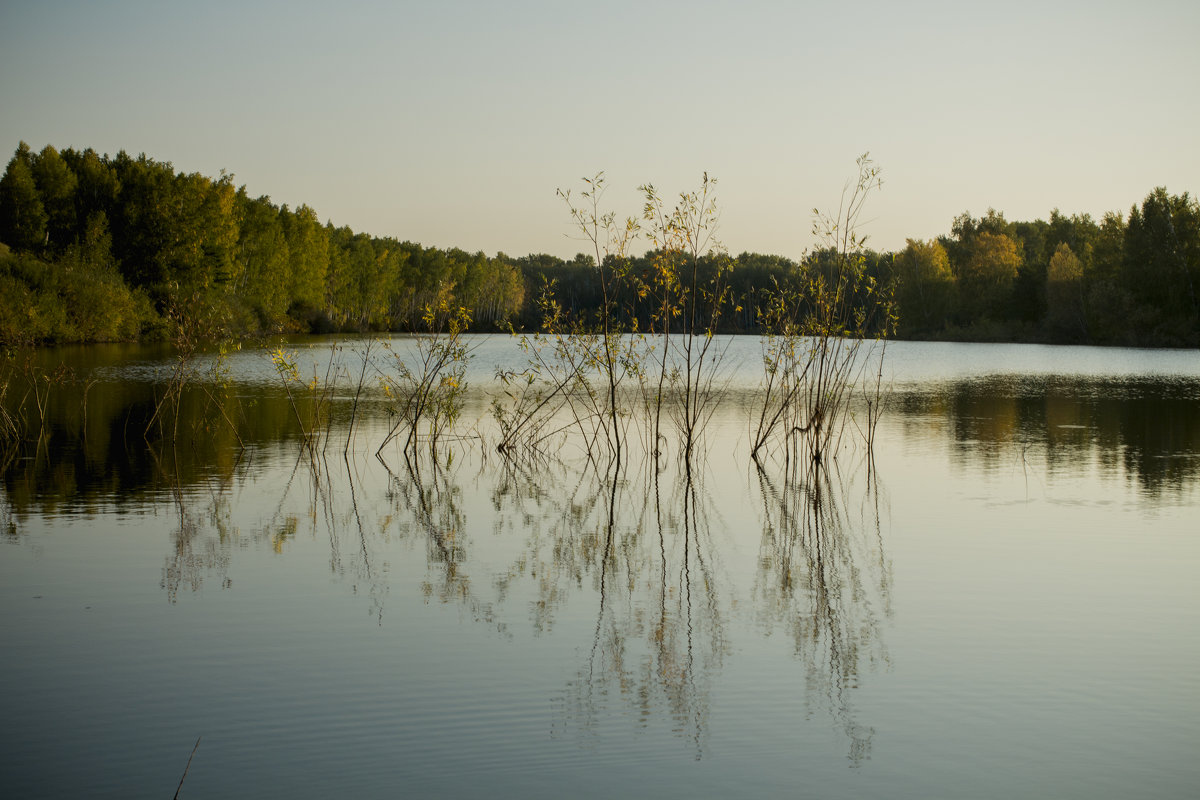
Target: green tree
column 1108, row 249
column 987, row 276
column 966, row 228
column 1027, row 302
column 338, row 286
column 23, row 218
column 308, row 250
column 177, row 233
column 263, row 263
column 1109, row 304
column 1066, row 314
column 501, row 294
column 362, row 274
column 927, row 290
column 100, row 306
column 380, row 283
column 1078, row 231
column 56, row 185
column 1162, row 257
column 97, row 187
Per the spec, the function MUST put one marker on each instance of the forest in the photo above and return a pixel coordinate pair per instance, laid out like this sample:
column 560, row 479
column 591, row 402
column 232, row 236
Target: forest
column 96, row 248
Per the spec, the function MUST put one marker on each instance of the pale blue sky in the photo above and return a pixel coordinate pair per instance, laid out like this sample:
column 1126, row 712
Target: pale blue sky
column 452, row 123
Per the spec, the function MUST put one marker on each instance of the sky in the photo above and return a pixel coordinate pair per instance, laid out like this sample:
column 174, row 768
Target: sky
column 453, row 124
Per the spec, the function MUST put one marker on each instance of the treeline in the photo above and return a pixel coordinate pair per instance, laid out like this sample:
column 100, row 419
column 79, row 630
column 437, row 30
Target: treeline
column 1125, row 280
column 101, row 249
column 94, row 248
column 1129, row 280
column 751, row 280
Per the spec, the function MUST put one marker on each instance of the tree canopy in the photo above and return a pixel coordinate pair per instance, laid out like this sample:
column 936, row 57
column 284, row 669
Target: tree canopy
column 96, row 247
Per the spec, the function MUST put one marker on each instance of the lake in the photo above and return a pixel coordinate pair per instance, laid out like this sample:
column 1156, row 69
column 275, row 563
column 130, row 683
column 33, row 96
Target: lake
column 998, row 599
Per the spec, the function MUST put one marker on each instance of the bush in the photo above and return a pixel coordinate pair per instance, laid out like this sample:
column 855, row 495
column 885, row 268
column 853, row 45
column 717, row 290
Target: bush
column 69, row 300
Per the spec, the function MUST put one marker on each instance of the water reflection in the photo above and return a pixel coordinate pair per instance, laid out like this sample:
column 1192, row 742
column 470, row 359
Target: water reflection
column 824, row 578
column 201, row 543
column 105, row 451
column 427, row 504
column 92, row 447
column 641, row 565
column 644, row 547
column 661, row 602
column 1141, row 430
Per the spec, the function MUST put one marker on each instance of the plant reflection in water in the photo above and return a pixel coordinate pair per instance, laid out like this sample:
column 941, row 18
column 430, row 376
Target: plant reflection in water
column 643, row 547
column 824, row 576
column 649, row 544
column 722, row 607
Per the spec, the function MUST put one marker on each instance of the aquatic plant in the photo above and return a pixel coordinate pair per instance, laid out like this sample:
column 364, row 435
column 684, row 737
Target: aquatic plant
column 603, row 347
column 365, row 357
column 190, row 331
column 309, row 398
column 530, row 410
column 689, row 281
column 425, row 390
column 592, row 366
column 819, row 335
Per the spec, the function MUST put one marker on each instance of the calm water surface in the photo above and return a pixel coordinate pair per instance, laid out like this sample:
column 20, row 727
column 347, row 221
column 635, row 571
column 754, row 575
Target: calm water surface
column 1005, row 605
